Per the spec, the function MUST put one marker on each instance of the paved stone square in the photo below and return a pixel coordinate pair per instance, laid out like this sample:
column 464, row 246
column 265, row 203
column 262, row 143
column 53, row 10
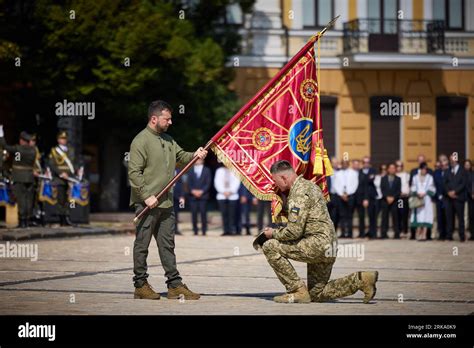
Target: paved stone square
column 92, row 275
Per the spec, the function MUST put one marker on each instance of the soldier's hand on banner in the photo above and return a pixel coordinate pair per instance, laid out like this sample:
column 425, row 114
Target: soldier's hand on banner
column 201, row 153
column 151, row 202
column 64, row 175
column 268, row 232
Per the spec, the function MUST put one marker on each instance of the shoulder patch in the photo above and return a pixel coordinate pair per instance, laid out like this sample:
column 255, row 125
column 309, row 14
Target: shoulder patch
column 293, row 214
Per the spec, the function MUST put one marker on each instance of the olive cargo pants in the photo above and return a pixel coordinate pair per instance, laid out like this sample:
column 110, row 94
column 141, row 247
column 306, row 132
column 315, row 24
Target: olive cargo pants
column 159, row 223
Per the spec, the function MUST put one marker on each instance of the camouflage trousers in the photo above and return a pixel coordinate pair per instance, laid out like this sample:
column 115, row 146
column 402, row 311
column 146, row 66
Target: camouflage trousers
column 313, row 252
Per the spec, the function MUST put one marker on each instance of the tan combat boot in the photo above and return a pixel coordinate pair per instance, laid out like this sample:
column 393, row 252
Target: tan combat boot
column 182, row 292
column 367, row 284
column 300, row 295
column 146, row 292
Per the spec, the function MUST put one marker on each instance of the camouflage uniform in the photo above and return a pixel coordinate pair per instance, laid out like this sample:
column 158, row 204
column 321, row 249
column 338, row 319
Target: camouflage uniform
column 306, row 238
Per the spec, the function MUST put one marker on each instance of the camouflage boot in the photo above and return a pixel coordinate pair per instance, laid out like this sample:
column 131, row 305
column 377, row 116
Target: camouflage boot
column 300, row 295
column 146, row 292
column 367, row 284
column 182, row 291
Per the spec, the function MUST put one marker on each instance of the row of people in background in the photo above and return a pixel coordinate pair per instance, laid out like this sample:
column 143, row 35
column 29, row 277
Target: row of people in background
column 26, row 169
column 234, row 201
column 406, row 198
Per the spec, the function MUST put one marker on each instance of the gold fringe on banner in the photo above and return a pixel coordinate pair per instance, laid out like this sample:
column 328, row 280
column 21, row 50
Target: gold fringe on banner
column 327, row 164
column 318, row 162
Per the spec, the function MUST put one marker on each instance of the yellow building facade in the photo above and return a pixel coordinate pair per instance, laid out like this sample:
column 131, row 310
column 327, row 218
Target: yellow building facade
column 407, row 55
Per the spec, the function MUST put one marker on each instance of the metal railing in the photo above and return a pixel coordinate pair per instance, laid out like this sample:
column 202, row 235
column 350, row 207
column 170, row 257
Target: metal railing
column 405, row 36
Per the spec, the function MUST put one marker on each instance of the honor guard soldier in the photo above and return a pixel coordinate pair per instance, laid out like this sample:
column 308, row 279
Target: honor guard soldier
column 37, row 170
column 308, row 237
column 22, row 174
column 61, row 159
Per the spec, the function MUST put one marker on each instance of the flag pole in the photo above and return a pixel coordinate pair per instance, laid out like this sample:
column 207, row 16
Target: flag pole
column 238, row 115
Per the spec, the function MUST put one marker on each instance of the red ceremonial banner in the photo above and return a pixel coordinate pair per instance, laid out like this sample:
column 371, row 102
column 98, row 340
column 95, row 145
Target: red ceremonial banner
column 282, row 122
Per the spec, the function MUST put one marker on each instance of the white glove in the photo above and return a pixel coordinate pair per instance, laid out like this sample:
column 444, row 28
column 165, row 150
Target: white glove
column 1, row 131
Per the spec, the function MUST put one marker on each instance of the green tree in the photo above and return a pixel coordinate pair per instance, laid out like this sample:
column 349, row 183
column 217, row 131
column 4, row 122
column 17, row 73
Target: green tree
column 123, row 54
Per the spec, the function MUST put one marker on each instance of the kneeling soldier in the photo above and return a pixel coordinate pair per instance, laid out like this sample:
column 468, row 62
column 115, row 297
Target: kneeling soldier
column 306, row 238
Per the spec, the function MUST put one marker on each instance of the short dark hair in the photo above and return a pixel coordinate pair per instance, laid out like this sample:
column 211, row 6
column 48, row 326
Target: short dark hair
column 157, row 106
column 423, row 165
column 281, row 166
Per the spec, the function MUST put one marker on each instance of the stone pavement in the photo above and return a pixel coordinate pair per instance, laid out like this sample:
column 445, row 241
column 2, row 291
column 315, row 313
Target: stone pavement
column 92, row 275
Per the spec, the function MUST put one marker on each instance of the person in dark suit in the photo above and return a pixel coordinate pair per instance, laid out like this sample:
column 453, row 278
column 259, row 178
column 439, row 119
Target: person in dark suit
column 179, row 199
column 199, row 184
column 438, row 177
column 421, row 159
column 455, row 182
column 470, row 195
column 359, row 198
column 246, row 202
column 333, row 204
column 367, row 196
column 391, row 186
column 365, row 199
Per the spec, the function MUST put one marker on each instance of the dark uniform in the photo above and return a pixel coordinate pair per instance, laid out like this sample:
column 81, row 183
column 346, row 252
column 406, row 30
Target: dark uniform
column 22, row 175
column 61, row 160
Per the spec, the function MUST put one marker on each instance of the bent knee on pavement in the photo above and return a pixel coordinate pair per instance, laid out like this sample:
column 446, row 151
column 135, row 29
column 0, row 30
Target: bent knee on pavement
column 270, row 246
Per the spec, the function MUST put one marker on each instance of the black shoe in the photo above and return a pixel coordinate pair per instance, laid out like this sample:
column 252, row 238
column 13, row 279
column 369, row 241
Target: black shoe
column 65, row 221
column 397, row 236
column 22, row 223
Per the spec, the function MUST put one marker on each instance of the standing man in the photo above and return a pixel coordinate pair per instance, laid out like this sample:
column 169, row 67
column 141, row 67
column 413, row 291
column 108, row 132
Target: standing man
column 246, row 202
column 199, row 184
column 333, row 204
column 366, row 180
column 179, row 199
column 38, row 212
column 227, row 187
column 438, row 177
column 23, row 179
column 403, row 212
column 346, row 181
column 455, row 182
column 308, row 237
column 391, row 187
column 61, row 161
column 153, row 158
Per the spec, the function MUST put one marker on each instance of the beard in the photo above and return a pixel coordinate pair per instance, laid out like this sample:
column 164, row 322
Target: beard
column 160, row 129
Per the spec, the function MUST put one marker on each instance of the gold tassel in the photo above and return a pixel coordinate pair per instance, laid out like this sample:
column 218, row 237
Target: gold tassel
column 318, row 162
column 327, row 164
